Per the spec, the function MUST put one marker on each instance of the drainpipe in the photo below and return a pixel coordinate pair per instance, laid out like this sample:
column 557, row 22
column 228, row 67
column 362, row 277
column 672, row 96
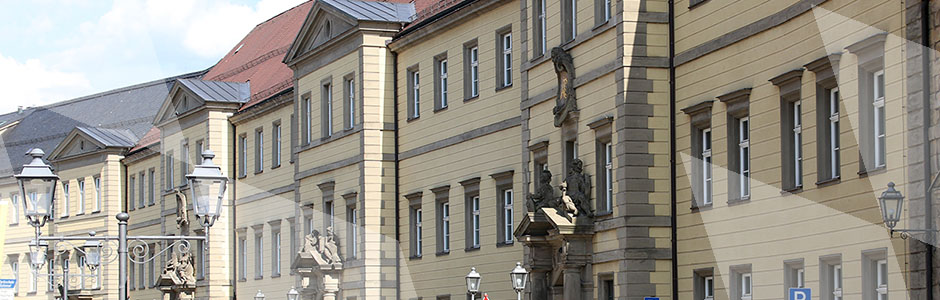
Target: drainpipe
column 928, row 174
column 233, row 174
column 397, row 177
column 672, row 150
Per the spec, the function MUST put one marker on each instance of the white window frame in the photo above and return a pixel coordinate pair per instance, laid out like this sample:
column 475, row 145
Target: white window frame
column 329, row 109
column 801, row 278
column 836, row 282
column 507, row 215
column 707, row 166
column 744, row 157
column 309, row 110
column 65, row 199
column 277, row 145
column 797, row 143
column 606, row 10
column 243, row 257
column 260, row 149
column 331, row 213
column 416, row 93
column 507, row 58
column 544, row 30
column 834, row 142
column 243, row 140
column 15, row 268
column 259, row 255
column 33, row 280
column 475, row 207
column 474, row 71
column 881, row 277
column 277, row 254
column 442, row 65
column 97, row 182
column 878, row 105
column 708, row 290
column 574, row 18
column 15, row 199
column 445, row 223
column 747, row 286
column 50, row 270
column 354, row 220
column 351, row 101
column 609, row 176
column 81, row 197
column 418, row 232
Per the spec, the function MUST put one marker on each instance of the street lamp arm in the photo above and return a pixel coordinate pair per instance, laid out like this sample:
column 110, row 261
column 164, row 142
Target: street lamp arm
column 114, row 238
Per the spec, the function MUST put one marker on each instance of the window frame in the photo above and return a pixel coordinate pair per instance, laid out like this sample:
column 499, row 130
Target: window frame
column 326, row 108
column 276, row 143
column 243, row 155
column 440, row 82
column 471, row 70
column 413, row 88
column 349, row 103
column 878, row 119
column 64, row 210
column 744, row 156
column 707, row 174
column 504, row 72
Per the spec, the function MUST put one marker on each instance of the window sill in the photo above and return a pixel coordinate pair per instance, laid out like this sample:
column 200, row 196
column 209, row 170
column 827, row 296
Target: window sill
column 276, row 276
column 413, row 118
column 437, row 110
column 348, row 129
column 830, row 181
column 699, row 208
column 96, row 211
column 875, row 171
column 243, row 176
column 242, row 280
column 442, row 253
column 471, row 249
column 465, row 100
column 601, row 24
column 604, row 214
column 259, row 277
column 259, row 172
column 326, row 138
column 415, row 257
column 504, row 244
column 80, row 214
column 275, row 167
column 65, row 217
column 792, row 190
column 737, row 201
column 503, row 87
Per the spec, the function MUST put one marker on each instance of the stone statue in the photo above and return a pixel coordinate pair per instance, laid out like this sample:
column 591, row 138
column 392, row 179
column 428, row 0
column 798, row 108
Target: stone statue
column 567, row 203
column 182, row 214
column 576, row 190
column 544, row 194
column 565, row 102
column 323, row 249
column 179, row 268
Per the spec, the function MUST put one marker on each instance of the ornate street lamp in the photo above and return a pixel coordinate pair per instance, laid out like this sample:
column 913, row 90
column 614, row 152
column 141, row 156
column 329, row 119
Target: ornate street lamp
column 293, row 294
column 519, row 277
column 92, row 250
column 207, row 185
column 37, row 185
column 891, row 203
column 259, row 295
column 37, row 253
column 473, row 282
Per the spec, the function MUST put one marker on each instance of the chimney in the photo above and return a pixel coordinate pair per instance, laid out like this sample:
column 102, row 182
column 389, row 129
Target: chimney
column 19, row 109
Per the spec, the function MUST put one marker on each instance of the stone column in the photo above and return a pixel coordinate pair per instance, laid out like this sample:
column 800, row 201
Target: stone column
column 572, row 283
column 539, row 285
column 330, row 287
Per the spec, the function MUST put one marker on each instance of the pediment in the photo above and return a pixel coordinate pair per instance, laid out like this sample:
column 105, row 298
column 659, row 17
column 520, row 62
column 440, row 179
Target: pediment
column 75, row 144
column 180, row 101
column 322, row 24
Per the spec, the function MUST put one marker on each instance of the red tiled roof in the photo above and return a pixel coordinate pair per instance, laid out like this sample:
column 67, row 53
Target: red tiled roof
column 150, row 138
column 257, row 57
column 425, row 9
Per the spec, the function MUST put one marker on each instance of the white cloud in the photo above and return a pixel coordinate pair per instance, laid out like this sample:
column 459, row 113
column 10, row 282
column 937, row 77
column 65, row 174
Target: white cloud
column 32, row 83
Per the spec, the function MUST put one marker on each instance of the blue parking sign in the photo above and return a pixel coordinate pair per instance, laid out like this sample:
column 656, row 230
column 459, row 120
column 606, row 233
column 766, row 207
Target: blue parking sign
column 650, row 298
column 800, row 294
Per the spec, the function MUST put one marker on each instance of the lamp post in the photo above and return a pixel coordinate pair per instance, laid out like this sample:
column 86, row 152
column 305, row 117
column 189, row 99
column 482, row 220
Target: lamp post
column 292, row 294
column 892, row 202
column 37, row 183
column 259, row 295
column 473, row 283
column 519, row 277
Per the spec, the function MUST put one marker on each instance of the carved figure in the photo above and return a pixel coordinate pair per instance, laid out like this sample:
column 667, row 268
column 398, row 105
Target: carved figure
column 330, row 249
column 323, row 249
column 565, row 102
column 182, row 215
column 577, row 188
column 567, row 204
column 185, row 270
column 544, row 195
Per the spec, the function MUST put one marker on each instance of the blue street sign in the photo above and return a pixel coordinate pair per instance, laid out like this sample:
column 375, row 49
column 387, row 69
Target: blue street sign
column 800, row 294
column 651, row 298
column 7, row 283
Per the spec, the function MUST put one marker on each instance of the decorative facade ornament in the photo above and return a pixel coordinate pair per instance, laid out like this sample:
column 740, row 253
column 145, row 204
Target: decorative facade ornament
column 178, row 280
column 565, row 103
column 182, row 214
column 322, row 248
column 544, row 195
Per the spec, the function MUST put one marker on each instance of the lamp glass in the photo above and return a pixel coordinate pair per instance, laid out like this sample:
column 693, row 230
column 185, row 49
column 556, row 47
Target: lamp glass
column 259, row 295
column 519, row 276
column 207, row 185
column 473, row 281
column 891, row 203
column 37, row 257
column 293, row 294
column 38, row 194
column 92, row 254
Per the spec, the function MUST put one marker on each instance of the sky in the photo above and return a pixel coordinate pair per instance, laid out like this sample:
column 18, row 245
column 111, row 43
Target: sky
column 51, row 51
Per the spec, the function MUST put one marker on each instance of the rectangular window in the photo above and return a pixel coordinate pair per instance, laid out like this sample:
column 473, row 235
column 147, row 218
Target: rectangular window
column 827, row 133
column 507, row 215
column 878, row 109
column 64, row 210
column 81, row 197
column 744, row 157
column 569, row 15
column 471, row 70
column 445, row 226
column 797, row 145
column 601, row 12
column 830, row 277
column 259, row 150
column 328, row 212
column 834, row 144
column 417, row 232
column 131, row 186
column 184, row 162
column 353, row 232
column 141, row 284
column 132, row 282
column 607, row 289
column 50, row 270
column 326, row 110
column 200, row 259
column 169, row 171
column 881, row 279
column 606, row 173
column 199, row 150
column 440, row 85
column 276, row 252
column 243, row 258
column 539, row 27
column 709, row 288
column 836, row 282
column 33, row 281
column 259, row 253
column 150, row 266
column 152, row 190
column 475, row 211
column 414, row 93
column 349, row 107
column 276, row 147
column 505, row 61
column 305, row 110
column 794, row 275
column 97, row 181
column 140, row 189
column 706, row 142
column 746, row 286
column 243, row 155
column 15, row 216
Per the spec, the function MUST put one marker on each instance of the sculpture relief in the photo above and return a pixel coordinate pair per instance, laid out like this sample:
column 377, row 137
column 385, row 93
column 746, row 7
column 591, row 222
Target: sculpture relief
column 179, row 267
column 565, row 102
column 323, row 248
column 544, row 195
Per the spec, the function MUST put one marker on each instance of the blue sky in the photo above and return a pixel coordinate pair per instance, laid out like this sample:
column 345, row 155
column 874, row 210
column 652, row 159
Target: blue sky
column 52, row 51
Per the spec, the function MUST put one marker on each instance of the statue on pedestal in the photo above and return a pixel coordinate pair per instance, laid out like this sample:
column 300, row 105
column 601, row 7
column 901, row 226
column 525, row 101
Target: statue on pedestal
column 575, row 192
column 544, row 195
column 323, row 248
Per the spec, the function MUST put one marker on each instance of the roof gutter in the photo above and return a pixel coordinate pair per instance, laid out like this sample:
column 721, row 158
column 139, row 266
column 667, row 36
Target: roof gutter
column 433, row 18
column 672, row 151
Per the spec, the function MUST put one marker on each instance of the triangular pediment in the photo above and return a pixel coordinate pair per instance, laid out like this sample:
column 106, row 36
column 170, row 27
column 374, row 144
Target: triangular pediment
column 323, row 24
column 180, row 101
column 75, row 144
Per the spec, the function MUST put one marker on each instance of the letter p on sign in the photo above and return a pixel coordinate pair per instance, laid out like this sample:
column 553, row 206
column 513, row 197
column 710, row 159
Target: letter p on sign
column 800, row 294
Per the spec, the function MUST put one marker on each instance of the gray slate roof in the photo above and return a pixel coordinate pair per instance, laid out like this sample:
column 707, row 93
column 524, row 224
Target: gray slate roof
column 129, row 108
column 374, row 10
column 219, row 91
column 111, row 137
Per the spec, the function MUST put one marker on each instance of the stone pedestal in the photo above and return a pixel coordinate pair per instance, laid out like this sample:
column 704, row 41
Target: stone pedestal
column 317, row 281
column 173, row 290
column 560, row 254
